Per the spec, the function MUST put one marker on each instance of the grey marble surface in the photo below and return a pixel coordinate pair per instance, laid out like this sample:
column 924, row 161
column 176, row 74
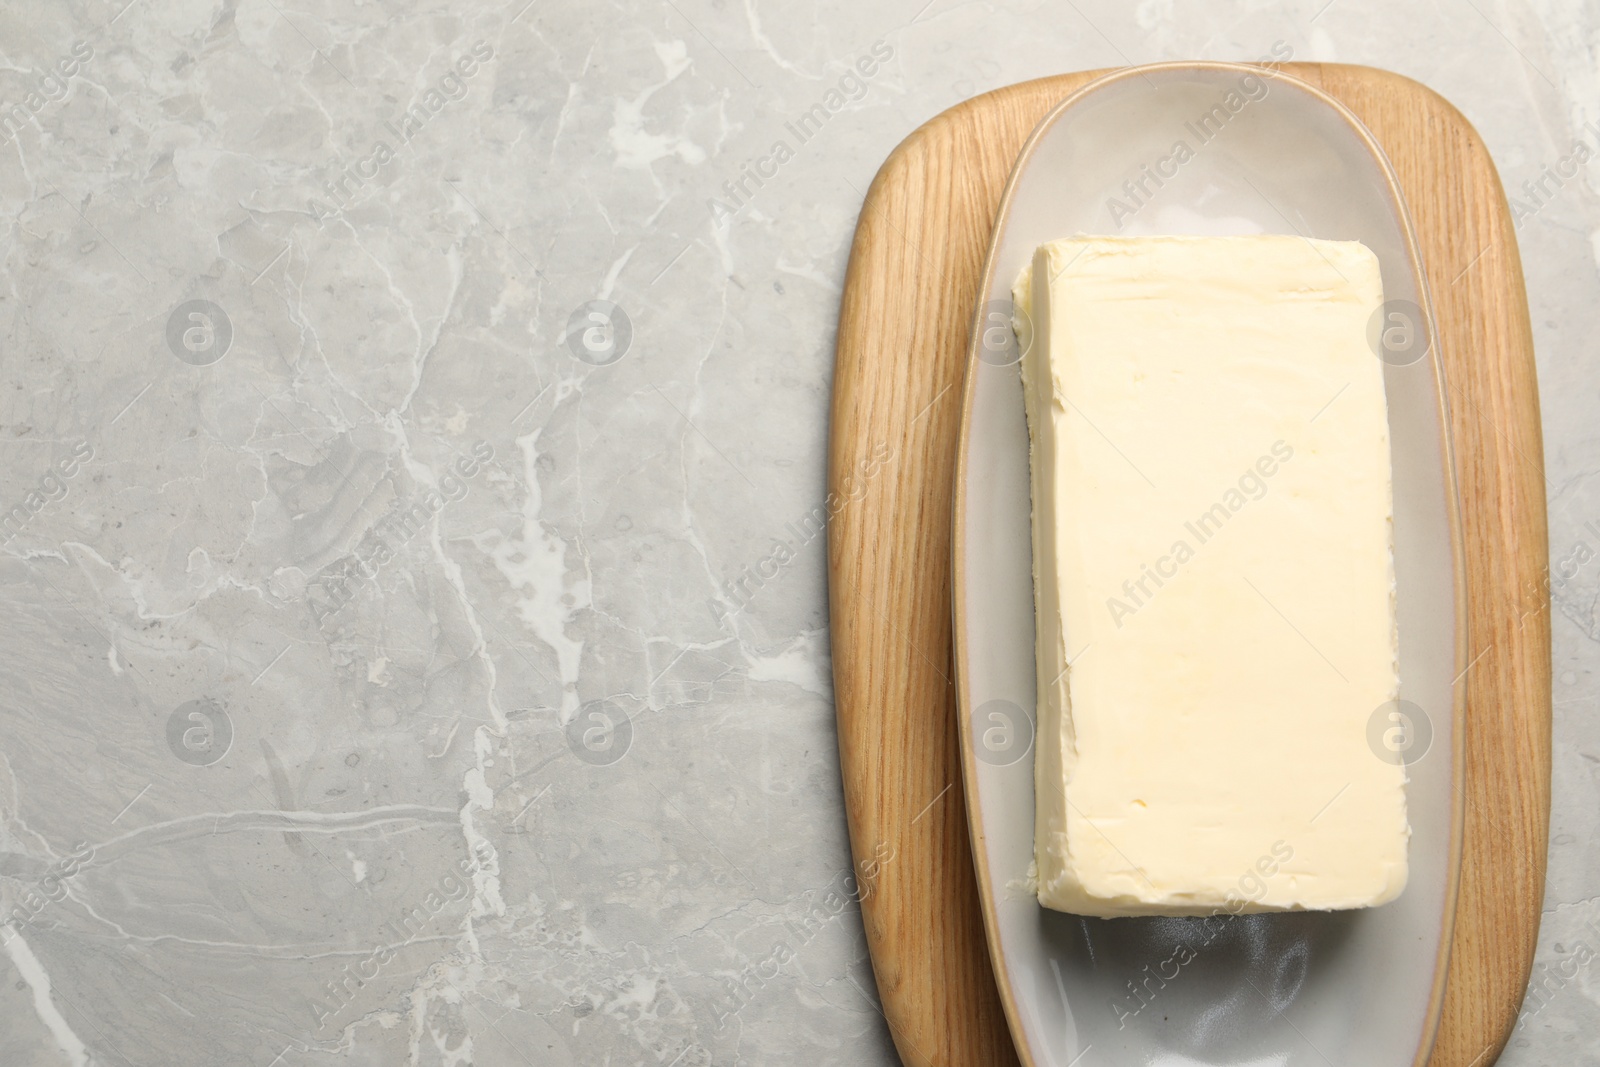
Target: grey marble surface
column 373, row 689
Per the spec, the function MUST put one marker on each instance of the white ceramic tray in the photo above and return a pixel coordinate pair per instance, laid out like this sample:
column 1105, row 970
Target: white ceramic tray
column 1290, row 990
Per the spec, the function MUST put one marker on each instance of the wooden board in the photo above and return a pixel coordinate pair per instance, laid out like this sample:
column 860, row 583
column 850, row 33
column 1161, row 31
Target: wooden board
column 903, row 336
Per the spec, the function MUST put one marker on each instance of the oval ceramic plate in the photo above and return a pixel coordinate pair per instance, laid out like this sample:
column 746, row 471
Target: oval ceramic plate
column 1267, row 154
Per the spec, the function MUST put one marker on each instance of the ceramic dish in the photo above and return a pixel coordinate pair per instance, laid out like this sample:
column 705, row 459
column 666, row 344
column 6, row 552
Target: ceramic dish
column 1266, row 154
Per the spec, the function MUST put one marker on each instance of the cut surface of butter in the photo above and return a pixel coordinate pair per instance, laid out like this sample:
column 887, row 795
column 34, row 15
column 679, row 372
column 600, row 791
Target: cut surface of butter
column 1214, row 577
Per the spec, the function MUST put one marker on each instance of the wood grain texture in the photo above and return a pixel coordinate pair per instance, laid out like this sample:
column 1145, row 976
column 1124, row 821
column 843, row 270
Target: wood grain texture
column 903, row 335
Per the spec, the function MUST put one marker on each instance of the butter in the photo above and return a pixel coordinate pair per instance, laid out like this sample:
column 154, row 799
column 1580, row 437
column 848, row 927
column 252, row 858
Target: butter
column 1214, row 578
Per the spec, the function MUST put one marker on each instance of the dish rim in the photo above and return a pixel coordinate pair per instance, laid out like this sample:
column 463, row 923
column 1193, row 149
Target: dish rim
column 961, row 643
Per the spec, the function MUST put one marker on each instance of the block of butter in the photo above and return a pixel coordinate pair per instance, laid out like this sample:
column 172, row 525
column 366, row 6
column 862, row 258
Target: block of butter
column 1214, row 577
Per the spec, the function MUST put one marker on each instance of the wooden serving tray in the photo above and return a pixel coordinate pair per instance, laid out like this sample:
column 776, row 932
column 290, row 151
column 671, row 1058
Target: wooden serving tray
column 904, row 326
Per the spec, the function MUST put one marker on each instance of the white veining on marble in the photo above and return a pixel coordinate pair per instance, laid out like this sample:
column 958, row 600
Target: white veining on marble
column 33, row 974
column 315, row 748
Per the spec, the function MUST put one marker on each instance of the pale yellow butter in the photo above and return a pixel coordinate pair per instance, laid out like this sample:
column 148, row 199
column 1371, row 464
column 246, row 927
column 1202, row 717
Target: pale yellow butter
column 1212, row 528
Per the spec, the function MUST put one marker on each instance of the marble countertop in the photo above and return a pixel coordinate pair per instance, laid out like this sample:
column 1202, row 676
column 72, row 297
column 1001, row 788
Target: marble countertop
column 391, row 397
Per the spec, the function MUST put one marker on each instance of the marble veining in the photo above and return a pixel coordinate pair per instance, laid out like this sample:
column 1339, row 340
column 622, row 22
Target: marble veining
column 414, row 426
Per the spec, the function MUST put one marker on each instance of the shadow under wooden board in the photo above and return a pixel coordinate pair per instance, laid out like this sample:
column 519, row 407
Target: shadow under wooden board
column 904, row 325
